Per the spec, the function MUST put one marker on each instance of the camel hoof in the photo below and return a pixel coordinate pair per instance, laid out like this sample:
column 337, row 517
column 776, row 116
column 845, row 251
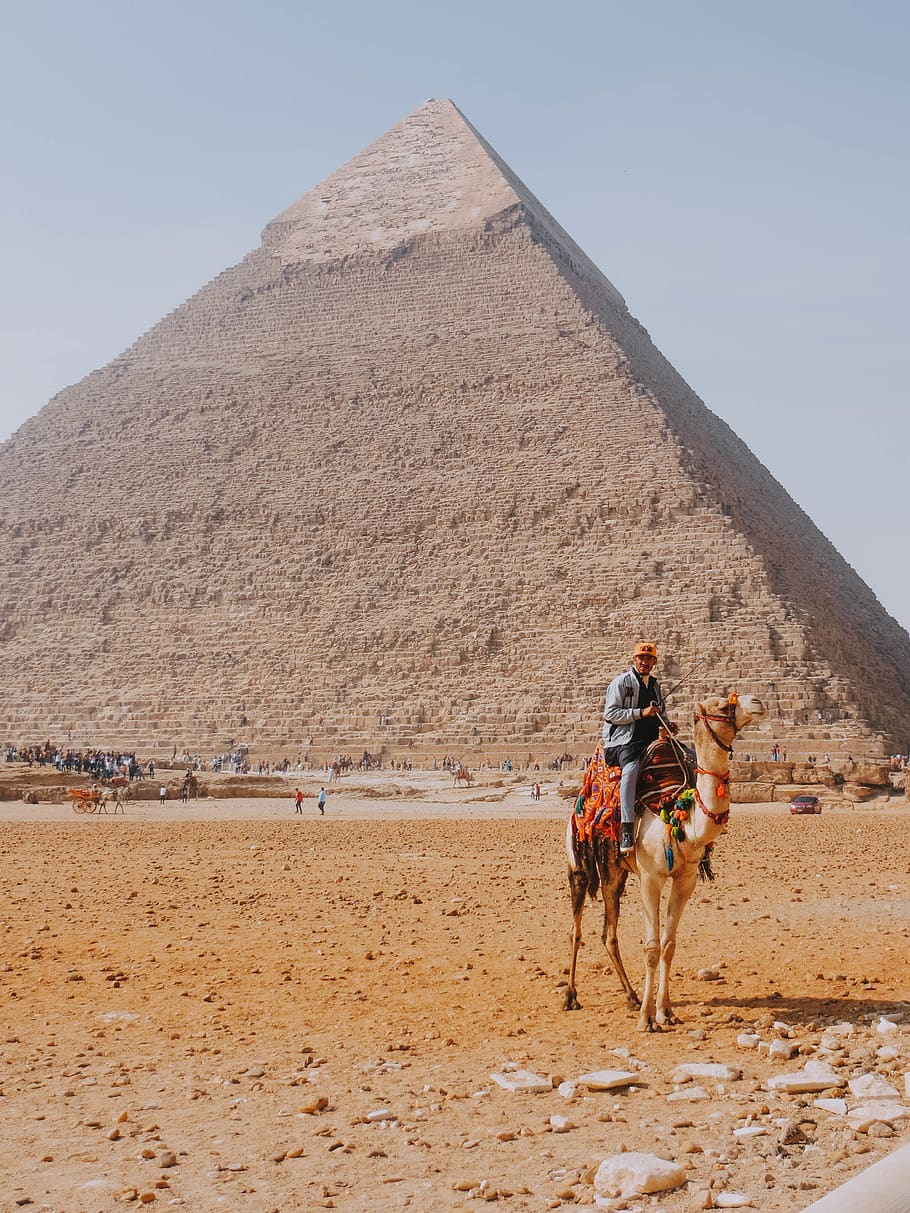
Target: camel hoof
column 633, row 1000
column 653, row 1026
column 571, row 1003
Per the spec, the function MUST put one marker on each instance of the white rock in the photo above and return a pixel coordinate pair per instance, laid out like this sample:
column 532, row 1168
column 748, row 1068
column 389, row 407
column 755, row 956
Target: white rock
column 783, row 1048
column 887, row 1053
column 830, row 1041
column 379, row 1114
column 732, row 1200
column 606, row 1080
column 907, row 1084
column 748, row 1040
column 886, row 1026
column 837, row 1106
column 844, row 1028
column 705, row 1069
column 708, row 975
column 819, row 1078
column 567, row 1089
column 633, row 1173
column 561, row 1124
column 688, row 1094
column 867, row 1114
column 750, row 1131
column 523, row 1081
column 873, row 1086
column 780, row 1026
column 822, row 1069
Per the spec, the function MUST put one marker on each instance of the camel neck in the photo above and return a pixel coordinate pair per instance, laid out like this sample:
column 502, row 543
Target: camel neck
column 712, row 798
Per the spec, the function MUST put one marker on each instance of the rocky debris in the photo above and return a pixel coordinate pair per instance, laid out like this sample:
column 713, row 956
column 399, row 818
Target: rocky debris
column 608, row 1080
column 872, row 1086
column 864, row 1115
column 688, row 1093
column 700, row 1069
column 634, row 1174
column 523, row 1082
column 815, row 1076
column 837, row 1107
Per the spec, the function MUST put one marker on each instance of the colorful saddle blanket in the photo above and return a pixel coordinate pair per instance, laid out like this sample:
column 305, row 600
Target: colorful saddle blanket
column 597, row 805
column 666, row 770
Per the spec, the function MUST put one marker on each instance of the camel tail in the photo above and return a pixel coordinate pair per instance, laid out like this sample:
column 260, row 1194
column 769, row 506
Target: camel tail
column 705, row 871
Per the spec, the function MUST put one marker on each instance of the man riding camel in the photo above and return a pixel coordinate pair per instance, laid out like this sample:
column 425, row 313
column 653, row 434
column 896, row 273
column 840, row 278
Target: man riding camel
column 631, row 723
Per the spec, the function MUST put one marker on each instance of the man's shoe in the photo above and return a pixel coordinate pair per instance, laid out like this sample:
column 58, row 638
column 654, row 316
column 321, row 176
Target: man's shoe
column 626, row 838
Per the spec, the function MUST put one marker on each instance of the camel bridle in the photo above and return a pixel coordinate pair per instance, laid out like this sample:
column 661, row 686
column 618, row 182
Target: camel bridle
column 729, row 718
column 723, row 781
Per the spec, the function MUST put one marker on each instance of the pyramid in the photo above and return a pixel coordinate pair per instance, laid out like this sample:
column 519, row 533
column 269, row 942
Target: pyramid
column 412, row 460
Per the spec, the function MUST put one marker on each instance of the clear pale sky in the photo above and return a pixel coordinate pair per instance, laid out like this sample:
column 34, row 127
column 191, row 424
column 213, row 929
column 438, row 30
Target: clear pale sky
column 739, row 172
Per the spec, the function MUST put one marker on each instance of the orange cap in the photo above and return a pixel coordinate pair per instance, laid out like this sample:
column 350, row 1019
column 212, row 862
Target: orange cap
column 644, row 648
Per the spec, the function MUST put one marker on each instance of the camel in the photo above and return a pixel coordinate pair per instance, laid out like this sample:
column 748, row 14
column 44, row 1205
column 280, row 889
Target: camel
column 462, row 775
column 597, row 864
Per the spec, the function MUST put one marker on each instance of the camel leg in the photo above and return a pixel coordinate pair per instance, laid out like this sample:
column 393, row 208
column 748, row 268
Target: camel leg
column 650, row 901
column 612, row 892
column 578, row 888
column 680, row 892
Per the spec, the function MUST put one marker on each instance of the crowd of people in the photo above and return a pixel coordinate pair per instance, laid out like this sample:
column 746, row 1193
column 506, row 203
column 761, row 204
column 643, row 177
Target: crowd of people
column 105, row 764
column 99, row 764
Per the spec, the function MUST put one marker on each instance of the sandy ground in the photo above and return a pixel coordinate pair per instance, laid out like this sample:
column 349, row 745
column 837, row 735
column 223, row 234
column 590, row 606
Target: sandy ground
column 230, row 1006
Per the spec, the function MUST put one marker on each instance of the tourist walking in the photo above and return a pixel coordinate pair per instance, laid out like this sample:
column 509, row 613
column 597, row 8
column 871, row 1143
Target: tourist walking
column 298, row 801
column 320, row 801
column 162, row 794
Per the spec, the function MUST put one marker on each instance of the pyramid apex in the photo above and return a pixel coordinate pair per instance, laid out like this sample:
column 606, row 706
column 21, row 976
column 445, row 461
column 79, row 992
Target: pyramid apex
column 429, row 173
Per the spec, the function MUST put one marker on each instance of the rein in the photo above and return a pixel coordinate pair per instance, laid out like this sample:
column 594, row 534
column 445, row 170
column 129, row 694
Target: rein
column 704, row 718
column 723, row 781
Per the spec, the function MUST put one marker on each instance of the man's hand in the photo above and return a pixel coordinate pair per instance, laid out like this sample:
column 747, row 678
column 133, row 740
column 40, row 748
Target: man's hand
column 650, row 710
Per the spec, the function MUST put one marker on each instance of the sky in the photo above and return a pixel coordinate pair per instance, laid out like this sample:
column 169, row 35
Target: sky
column 738, row 171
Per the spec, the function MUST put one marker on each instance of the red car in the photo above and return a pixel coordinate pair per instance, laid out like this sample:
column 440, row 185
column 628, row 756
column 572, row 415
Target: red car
column 805, row 804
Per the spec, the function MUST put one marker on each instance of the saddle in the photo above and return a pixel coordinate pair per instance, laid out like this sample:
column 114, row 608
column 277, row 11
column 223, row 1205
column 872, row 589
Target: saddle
column 667, row 769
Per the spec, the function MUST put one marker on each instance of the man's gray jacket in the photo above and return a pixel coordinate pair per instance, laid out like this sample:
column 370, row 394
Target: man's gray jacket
column 621, row 709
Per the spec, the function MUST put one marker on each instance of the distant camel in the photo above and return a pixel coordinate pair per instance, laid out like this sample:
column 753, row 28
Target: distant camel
column 660, row 855
column 462, row 775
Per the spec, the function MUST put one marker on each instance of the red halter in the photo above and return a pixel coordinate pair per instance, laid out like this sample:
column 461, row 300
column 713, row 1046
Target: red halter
column 723, row 781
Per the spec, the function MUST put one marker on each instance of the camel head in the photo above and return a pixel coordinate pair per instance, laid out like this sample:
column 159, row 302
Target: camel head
column 721, row 718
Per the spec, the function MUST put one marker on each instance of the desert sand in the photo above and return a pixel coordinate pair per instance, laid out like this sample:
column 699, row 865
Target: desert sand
column 230, row 1006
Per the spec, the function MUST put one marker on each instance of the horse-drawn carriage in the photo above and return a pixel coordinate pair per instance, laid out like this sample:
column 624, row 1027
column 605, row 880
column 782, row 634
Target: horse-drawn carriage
column 98, row 800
